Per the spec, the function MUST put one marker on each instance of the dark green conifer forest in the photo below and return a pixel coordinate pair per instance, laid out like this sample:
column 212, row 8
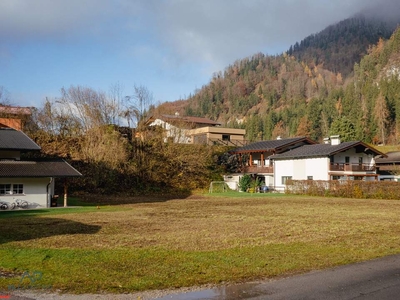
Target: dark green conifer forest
column 344, row 80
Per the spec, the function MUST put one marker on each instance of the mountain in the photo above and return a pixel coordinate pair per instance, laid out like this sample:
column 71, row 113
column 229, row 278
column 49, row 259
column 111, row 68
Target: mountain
column 323, row 85
column 338, row 47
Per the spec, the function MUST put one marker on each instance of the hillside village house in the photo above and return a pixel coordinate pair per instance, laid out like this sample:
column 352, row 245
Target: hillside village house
column 307, row 160
column 196, row 130
column 14, row 116
column 254, row 159
column 389, row 166
column 30, row 182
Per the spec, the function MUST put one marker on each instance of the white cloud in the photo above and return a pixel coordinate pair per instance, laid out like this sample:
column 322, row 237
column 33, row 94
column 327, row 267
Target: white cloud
column 219, row 32
column 27, row 19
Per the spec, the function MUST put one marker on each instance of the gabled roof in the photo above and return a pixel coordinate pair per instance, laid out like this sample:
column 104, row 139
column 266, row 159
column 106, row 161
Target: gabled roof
column 11, row 139
column 44, row 168
column 323, row 150
column 391, row 158
column 15, row 110
column 178, row 118
column 272, row 145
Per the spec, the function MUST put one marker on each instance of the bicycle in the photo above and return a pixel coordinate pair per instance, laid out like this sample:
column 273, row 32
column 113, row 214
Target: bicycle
column 20, row 203
column 4, row 205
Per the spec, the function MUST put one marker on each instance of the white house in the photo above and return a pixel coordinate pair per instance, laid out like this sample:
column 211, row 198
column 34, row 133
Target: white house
column 196, row 130
column 255, row 159
column 27, row 183
column 332, row 160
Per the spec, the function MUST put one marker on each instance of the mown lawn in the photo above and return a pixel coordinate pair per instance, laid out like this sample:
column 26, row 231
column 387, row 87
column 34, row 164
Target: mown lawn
column 193, row 241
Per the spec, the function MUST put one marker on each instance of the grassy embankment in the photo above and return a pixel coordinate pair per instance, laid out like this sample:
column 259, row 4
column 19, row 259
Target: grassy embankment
column 186, row 242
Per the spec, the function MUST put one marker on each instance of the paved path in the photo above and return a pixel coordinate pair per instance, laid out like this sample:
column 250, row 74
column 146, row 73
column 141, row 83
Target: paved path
column 372, row 280
column 376, row 279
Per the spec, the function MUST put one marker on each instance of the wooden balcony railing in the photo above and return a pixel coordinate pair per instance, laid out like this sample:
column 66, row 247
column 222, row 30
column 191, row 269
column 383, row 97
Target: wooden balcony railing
column 352, row 167
column 258, row 169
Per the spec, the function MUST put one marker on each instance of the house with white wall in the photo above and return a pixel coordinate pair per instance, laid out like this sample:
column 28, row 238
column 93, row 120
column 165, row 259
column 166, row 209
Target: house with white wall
column 254, row 159
column 196, row 130
column 30, row 182
column 332, row 160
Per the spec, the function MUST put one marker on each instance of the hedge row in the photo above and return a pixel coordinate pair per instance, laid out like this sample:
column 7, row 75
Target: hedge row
column 345, row 189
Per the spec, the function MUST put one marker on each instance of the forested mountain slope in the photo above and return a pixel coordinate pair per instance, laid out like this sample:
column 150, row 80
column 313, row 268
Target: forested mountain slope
column 282, row 96
column 338, row 47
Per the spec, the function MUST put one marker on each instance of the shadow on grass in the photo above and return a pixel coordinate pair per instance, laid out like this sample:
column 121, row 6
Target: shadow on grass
column 99, row 200
column 22, row 229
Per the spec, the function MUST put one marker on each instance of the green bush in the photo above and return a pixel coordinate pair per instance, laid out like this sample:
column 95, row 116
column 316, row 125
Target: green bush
column 244, row 182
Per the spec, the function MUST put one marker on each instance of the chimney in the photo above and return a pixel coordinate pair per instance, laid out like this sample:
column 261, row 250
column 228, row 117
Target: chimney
column 335, row 140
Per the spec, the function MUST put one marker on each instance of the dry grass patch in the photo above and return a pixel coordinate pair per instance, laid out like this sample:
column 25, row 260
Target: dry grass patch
column 203, row 239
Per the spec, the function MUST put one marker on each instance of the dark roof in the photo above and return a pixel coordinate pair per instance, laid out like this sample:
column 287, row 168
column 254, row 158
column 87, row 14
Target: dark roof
column 392, row 158
column 44, row 168
column 272, row 145
column 178, row 118
column 199, row 120
column 11, row 139
column 321, row 150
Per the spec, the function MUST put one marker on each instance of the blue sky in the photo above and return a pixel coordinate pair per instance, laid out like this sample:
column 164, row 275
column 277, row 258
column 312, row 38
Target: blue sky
column 172, row 47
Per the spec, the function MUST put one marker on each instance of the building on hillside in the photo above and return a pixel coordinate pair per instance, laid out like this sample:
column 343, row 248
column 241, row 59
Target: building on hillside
column 28, row 183
column 196, row 130
column 389, row 166
column 332, row 160
column 14, row 116
column 254, row 159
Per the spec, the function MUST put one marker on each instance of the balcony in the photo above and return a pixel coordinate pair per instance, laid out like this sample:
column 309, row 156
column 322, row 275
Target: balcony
column 258, row 169
column 352, row 167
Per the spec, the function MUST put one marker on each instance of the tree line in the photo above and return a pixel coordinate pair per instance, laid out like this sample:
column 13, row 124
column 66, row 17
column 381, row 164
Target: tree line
column 103, row 135
column 274, row 96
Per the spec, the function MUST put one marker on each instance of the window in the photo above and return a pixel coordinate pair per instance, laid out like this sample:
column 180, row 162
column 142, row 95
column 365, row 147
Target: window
column 309, row 178
column 11, row 189
column 360, row 160
column 347, row 159
column 5, row 189
column 18, row 188
column 285, row 178
column 226, row 137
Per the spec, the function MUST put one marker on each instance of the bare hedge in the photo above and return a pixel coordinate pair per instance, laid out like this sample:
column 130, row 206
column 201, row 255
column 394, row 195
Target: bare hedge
column 345, row 189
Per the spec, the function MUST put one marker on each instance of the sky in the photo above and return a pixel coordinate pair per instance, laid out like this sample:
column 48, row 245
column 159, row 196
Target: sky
column 172, row 47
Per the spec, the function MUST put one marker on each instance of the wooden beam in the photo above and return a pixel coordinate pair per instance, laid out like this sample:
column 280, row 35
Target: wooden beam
column 65, row 192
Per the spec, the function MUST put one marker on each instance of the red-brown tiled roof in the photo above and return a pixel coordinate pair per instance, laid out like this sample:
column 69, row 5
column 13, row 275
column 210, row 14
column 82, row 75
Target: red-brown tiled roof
column 16, row 110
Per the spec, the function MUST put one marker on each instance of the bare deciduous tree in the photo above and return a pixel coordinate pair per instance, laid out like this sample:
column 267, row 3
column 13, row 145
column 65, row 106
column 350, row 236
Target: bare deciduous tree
column 137, row 105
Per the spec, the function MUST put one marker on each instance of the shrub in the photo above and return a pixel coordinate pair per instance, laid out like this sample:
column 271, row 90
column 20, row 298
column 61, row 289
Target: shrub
column 244, row 182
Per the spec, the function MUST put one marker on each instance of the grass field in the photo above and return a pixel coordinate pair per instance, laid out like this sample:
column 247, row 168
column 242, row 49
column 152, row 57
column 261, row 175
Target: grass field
column 184, row 242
